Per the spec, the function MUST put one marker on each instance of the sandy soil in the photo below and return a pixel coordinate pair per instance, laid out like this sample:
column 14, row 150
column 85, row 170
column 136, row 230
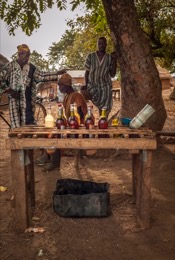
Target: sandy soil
column 117, row 236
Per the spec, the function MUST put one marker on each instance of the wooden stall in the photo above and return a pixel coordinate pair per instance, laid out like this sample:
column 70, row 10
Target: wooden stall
column 22, row 142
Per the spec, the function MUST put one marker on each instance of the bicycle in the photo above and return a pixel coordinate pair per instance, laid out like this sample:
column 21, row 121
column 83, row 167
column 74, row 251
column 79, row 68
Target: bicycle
column 39, row 115
column 40, row 111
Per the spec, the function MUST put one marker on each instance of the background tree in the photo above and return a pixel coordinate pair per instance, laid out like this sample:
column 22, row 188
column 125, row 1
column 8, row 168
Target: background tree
column 139, row 76
column 157, row 18
column 57, row 52
column 26, row 13
column 38, row 60
column 78, row 41
column 140, row 80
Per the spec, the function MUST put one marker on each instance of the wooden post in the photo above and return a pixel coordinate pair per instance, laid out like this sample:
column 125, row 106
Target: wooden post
column 136, row 171
column 143, row 197
column 30, row 177
column 20, row 189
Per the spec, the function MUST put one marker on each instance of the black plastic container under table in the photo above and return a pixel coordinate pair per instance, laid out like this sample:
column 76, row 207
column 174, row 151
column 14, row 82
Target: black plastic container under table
column 76, row 198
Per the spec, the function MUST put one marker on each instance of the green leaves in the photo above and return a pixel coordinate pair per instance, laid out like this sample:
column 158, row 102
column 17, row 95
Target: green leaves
column 39, row 61
column 26, row 13
column 3, row 7
column 157, row 19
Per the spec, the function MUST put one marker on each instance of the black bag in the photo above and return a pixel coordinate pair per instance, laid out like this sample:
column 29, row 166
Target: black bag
column 75, row 198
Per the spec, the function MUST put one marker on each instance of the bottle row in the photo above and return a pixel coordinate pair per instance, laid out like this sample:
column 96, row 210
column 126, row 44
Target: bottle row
column 75, row 120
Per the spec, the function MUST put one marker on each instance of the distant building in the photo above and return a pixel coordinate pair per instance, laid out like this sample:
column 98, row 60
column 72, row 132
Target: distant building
column 116, row 83
column 165, row 77
column 77, row 76
column 172, row 81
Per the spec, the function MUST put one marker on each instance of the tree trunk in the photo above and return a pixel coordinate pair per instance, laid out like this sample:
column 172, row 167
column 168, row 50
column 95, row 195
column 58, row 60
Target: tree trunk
column 140, row 80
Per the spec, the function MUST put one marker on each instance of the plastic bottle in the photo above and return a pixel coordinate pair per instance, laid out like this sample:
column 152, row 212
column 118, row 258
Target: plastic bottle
column 142, row 116
column 49, row 122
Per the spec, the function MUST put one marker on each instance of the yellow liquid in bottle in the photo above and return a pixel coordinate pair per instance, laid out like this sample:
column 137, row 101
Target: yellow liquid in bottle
column 49, row 119
column 76, row 114
column 115, row 123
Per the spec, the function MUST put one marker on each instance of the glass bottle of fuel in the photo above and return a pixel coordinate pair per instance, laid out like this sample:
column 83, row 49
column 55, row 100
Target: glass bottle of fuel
column 92, row 115
column 49, row 119
column 63, row 112
column 115, row 123
column 103, row 123
column 76, row 113
column 89, row 122
column 76, row 117
column 72, row 122
column 60, row 122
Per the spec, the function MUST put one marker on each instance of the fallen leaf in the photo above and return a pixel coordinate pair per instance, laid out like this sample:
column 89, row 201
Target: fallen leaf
column 35, row 230
column 35, row 219
column 3, row 188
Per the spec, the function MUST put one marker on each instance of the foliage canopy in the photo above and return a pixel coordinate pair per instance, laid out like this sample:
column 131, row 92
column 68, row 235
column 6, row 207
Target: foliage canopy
column 157, row 19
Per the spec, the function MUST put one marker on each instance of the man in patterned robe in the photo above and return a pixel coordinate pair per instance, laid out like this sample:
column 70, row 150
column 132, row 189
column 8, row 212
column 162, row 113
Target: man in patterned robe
column 19, row 78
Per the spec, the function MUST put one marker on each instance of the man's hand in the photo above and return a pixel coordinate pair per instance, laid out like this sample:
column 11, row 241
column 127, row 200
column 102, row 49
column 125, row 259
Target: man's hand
column 114, row 55
column 60, row 72
column 12, row 93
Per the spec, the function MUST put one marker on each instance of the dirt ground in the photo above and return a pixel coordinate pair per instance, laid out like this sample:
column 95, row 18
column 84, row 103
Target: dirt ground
column 114, row 237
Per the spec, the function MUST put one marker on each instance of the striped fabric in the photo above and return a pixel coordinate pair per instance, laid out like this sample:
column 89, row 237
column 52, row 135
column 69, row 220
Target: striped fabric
column 12, row 76
column 99, row 82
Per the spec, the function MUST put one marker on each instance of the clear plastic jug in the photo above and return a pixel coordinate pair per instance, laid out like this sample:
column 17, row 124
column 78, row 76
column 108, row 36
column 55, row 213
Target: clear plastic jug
column 142, row 116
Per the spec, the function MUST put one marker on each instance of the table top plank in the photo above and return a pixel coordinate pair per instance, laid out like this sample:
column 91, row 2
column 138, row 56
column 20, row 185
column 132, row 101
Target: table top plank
column 31, row 137
column 38, row 130
column 82, row 143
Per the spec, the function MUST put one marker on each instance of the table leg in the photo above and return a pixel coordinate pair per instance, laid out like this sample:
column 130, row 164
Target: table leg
column 136, row 171
column 29, row 168
column 20, row 189
column 142, row 186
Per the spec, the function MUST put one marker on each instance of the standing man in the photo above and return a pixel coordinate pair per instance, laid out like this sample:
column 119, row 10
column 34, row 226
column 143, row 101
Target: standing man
column 100, row 66
column 19, row 78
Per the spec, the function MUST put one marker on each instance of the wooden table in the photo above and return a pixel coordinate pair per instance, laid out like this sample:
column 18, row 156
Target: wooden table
column 22, row 141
